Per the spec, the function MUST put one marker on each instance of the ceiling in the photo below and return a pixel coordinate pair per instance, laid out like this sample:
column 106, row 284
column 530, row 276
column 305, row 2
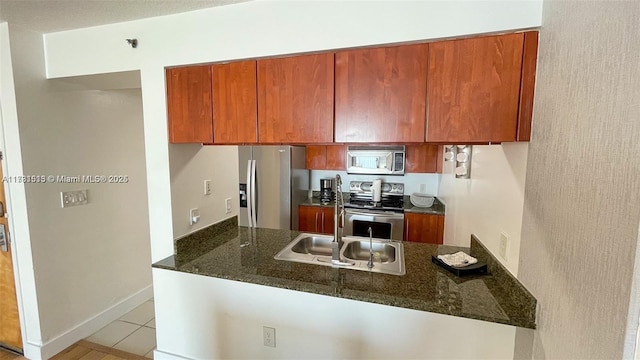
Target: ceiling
column 56, row 15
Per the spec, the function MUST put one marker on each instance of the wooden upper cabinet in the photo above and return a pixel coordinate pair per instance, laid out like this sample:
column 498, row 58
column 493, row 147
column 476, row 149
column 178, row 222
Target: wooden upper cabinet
column 235, row 103
column 326, row 157
column 473, row 89
column 295, row 99
column 337, row 157
column 527, row 85
column 189, row 104
column 381, row 94
column 316, row 157
column 421, row 158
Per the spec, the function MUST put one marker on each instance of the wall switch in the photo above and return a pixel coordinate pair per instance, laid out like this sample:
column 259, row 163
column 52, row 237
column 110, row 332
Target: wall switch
column 227, row 204
column 269, row 336
column 194, row 216
column 207, row 187
column 74, row 198
column 423, row 188
column 504, row 243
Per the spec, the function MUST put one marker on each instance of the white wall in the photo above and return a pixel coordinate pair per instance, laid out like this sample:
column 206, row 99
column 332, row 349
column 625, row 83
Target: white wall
column 16, row 198
column 264, row 28
column 225, row 321
column 191, row 164
column 90, row 259
column 490, row 202
column 582, row 196
column 253, row 29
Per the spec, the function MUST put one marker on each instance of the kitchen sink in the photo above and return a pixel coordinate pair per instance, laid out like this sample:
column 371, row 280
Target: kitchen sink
column 384, row 253
column 313, row 245
column 388, row 256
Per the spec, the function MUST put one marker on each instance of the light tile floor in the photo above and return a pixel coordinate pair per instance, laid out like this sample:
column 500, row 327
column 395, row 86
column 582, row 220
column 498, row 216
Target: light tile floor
column 134, row 332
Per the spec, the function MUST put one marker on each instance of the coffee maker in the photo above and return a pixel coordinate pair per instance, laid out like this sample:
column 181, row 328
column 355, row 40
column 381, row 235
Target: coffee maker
column 326, row 190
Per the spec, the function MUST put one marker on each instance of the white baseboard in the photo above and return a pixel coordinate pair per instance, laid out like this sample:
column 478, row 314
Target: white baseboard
column 160, row 355
column 86, row 328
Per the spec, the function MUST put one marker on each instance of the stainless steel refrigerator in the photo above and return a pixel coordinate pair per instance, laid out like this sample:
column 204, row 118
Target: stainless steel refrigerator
column 273, row 182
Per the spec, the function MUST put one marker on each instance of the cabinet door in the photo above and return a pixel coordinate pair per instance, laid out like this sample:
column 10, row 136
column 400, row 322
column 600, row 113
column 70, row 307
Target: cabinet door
column 308, row 218
column 326, row 217
column 235, row 105
column 527, row 85
column 424, row 228
column 336, row 157
column 315, row 219
column 381, row 94
column 189, row 104
column 316, row 157
column 326, row 157
column 473, row 89
column 421, row 158
column 295, row 99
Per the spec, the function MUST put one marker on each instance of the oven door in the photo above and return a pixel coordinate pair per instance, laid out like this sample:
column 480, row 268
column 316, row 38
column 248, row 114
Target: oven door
column 384, row 224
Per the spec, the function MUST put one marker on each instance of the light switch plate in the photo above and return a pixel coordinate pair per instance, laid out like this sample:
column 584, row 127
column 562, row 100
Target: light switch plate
column 207, row 187
column 74, row 198
column 227, row 205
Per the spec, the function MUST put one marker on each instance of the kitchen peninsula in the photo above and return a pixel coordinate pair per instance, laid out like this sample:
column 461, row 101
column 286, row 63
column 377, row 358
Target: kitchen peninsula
column 330, row 312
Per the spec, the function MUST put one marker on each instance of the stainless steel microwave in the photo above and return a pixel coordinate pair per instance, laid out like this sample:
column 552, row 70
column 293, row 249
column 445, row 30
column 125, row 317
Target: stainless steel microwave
column 376, row 160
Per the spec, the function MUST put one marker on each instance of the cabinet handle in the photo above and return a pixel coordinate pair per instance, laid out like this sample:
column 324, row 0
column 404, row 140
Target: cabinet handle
column 406, row 232
column 316, row 223
column 323, row 222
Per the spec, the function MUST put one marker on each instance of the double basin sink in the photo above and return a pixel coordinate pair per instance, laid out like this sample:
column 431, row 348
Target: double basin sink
column 388, row 256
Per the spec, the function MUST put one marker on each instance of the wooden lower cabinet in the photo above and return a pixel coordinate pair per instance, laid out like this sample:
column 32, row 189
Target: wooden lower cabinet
column 316, row 219
column 426, row 228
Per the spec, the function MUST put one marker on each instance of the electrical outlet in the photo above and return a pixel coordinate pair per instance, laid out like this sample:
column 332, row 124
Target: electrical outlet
column 74, row 198
column 194, row 216
column 504, row 243
column 207, row 187
column 227, row 205
column 269, row 336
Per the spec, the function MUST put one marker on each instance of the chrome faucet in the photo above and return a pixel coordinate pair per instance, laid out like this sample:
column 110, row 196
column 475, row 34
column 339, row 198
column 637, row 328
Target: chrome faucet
column 338, row 213
column 338, row 224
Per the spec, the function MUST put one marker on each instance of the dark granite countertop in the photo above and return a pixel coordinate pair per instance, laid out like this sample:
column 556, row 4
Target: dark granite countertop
column 227, row 251
column 436, row 209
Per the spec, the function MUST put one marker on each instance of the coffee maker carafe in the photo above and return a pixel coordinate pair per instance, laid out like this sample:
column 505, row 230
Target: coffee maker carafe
column 326, row 190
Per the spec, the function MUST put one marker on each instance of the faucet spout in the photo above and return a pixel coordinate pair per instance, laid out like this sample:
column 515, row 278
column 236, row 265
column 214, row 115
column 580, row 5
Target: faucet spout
column 338, row 223
column 370, row 263
column 337, row 236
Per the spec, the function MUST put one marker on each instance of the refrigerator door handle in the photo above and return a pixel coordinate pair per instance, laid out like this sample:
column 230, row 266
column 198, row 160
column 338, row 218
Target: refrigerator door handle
column 254, row 208
column 249, row 203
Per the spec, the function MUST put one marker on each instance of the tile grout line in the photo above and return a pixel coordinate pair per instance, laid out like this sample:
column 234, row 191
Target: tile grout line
column 129, row 322
column 139, row 327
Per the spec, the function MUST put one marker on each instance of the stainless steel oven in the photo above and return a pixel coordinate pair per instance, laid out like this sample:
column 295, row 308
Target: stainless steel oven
column 384, row 224
column 385, row 217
